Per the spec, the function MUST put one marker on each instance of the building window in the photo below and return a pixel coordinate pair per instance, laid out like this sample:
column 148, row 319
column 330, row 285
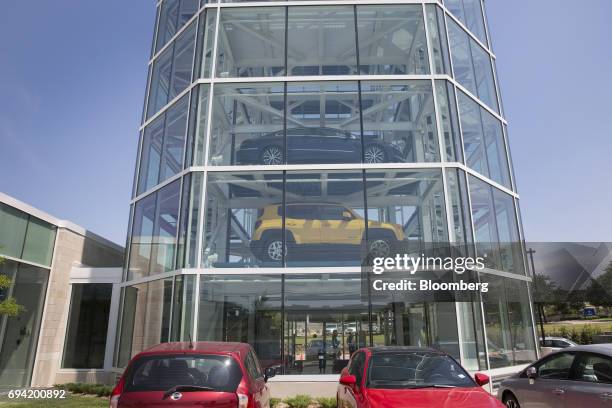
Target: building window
column 173, row 15
column 171, row 72
column 483, row 141
column 472, row 66
column 469, row 12
column 163, row 146
column 251, row 42
column 392, row 40
column 85, row 343
column 321, row 41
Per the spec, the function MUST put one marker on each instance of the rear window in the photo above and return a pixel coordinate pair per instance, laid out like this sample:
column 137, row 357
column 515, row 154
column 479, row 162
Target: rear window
column 160, row 373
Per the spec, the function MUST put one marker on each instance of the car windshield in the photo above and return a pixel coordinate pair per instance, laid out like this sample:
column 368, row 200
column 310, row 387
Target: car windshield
column 416, row 370
column 161, row 373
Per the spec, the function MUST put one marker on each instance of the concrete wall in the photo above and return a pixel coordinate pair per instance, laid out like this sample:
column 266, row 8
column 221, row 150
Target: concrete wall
column 71, row 249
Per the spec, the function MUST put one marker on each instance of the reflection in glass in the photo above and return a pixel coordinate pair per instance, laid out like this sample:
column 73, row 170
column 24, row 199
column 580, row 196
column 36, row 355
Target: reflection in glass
column 323, row 123
column 447, row 110
column 183, row 308
column 460, row 218
column 39, row 242
column 406, row 212
column 321, row 41
column 483, row 141
column 399, row 122
column 392, row 40
column 159, row 88
column 243, row 223
column 19, row 337
column 247, row 124
column 13, row 226
column 182, row 63
column 325, row 222
column 173, row 15
column 251, row 42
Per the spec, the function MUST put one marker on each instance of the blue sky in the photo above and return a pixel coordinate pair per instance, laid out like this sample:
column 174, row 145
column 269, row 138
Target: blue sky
column 72, row 79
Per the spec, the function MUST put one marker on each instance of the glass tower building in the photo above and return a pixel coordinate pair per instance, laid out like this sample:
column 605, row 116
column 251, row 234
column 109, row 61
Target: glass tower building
column 282, row 142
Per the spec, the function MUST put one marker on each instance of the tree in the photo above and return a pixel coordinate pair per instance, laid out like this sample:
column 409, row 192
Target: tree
column 8, row 306
column 599, row 293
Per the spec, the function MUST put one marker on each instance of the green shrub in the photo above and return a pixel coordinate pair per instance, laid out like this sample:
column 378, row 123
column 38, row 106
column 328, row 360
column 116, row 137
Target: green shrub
column 327, row 402
column 99, row 390
column 299, row 401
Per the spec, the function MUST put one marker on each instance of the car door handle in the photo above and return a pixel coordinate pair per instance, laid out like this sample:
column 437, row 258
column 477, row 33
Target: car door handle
column 606, row 396
column 558, row 391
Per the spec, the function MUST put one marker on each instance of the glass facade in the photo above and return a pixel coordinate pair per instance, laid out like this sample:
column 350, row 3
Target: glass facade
column 285, row 143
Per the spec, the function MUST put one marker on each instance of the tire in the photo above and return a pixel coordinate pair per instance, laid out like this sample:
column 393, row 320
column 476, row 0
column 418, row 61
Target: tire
column 272, row 155
column 510, row 401
column 272, row 250
column 375, row 153
column 380, row 247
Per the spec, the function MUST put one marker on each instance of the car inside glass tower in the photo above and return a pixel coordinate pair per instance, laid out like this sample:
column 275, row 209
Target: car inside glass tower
column 283, row 143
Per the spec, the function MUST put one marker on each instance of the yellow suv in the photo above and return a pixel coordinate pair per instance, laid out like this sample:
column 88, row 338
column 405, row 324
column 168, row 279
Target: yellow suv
column 319, row 224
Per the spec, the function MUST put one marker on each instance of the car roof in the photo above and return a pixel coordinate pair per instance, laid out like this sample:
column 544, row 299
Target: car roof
column 213, row 347
column 407, row 349
column 605, row 348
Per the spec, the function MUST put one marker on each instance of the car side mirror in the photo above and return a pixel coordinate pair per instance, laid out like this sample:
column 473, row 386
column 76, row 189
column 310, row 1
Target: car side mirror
column 481, row 379
column 348, row 380
column 531, row 373
column 269, row 373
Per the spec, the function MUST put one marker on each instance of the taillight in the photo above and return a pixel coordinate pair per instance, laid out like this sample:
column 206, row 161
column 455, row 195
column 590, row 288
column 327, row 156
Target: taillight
column 116, row 394
column 243, row 401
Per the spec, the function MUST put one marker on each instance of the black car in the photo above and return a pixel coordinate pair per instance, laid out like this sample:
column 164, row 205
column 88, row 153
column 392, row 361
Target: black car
column 315, row 145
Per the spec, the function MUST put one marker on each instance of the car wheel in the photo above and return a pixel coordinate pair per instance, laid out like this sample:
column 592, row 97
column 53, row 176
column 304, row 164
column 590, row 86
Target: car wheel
column 510, row 401
column 375, row 154
column 272, row 155
column 380, row 247
column 273, row 250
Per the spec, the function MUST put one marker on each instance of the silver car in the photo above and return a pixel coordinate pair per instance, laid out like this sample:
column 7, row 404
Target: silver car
column 575, row 377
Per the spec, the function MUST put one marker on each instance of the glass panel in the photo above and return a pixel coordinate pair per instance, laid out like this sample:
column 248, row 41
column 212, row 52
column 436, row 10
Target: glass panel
column 323, row 123
column 166, row 224
column 485, row 83
column 321, row 41
column 469, row 12
column 85, row 342
column 510, row 244
column 438, row 41
column 245, row 309
column 399, row 123
column 447, row 110
column 474, row 357
column 325, row 321
column 167, row 26
column 193, row 221
column 174, row 139
column 141, row 240
column 392, row 40
column 187, row 10
column 325, row 222
column 208, row 42
column 508, row 322
column 202, row 125
column 13, row 225
column 183, row 309
column 243, row 225
column 483, row 141
column 247, row 125
column 406, row 212
column 39, row 241
column 150, row 157
column 485, row 227
column 125, row 330
column 251, row 42
column 183, row 61
column 460, row 217
column 159, row 90
column 185, row 219
column 20, row 335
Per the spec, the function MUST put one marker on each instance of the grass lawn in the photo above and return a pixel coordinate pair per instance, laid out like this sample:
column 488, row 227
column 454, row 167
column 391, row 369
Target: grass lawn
column 71, row 401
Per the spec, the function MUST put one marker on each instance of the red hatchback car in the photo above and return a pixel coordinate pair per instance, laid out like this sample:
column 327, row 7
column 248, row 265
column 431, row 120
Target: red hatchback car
column 202, row 374
column 410, row 377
